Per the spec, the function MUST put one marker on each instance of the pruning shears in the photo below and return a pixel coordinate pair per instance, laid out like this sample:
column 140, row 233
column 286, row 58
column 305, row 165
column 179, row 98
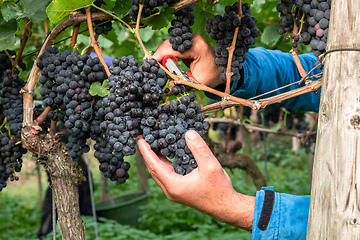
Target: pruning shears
column 170, row 62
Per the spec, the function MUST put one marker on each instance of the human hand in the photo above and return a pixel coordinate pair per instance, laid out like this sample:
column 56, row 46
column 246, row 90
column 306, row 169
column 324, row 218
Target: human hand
column 200, row 58
column 208, row 188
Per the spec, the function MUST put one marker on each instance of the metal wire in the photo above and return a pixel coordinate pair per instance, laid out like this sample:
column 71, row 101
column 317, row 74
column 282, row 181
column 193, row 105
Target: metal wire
column 53, row 214
column 92, row 199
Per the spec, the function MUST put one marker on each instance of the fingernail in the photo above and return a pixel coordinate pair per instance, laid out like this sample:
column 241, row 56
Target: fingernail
column 191, row 135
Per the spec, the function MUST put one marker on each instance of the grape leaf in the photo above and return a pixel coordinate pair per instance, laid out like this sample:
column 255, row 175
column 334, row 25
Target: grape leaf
column 146, row 34
column 34, row 9
column 7, row 34
column 10, row 11
column 270, row 36
column 101, row 90
column 203, row 10
column 58, row 10
column 121, row 8
column 161, row 18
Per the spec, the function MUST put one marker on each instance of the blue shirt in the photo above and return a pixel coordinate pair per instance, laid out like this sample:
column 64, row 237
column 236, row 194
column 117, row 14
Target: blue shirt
column 266, row 70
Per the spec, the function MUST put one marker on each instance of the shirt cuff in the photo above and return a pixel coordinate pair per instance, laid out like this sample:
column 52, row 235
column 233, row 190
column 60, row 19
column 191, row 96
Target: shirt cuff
column 288, row 216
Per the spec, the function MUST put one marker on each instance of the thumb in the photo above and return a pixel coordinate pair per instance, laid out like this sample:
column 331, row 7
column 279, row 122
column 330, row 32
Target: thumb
column 202, row 153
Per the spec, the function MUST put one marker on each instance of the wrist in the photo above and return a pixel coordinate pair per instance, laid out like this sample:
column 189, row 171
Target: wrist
column 242, row 211
column 238, row 211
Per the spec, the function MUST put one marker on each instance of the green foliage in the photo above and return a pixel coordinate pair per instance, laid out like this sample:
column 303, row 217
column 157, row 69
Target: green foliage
column 58, row 10
column 10, row 11
column 34, row 9
column 17, row 221
column 120, row 8
column 7, row 34
column 101, row 90
column 161, row 18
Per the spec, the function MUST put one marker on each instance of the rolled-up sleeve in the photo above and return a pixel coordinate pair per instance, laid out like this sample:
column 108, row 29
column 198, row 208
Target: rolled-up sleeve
column 287, row 220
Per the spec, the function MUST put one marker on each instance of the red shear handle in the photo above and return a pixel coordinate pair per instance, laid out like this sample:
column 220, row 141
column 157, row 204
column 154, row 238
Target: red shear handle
column 166, row 57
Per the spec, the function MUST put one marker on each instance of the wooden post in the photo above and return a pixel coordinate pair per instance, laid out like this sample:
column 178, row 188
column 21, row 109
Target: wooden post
column 335, row 194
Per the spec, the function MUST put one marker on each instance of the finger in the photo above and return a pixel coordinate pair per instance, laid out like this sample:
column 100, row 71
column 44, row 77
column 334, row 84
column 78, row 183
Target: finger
column 166, row 49
column 202, row 153
column 158, row 166
column 149, row 157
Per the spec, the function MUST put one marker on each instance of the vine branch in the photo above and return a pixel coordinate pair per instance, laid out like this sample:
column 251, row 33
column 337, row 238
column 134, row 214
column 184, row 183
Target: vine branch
column 74, row 35
column 94, row 43
column 252, row 128
column 24, row 37
column 228, row 68
column 294, row 53
column 42, row 117
column 262, row 103
column 137, row 33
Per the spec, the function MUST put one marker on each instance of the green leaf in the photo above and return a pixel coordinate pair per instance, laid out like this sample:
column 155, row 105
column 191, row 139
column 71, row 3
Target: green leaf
column 58, row 10
column 7, row 34
column 97, row 89
column 10, row 11
column 34, row 9
column 146, row 34
column 270, row 36
column 121, row 8
column 203, row 10
column 160, row 19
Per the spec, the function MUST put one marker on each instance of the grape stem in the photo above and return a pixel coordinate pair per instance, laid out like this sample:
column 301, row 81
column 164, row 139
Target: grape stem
column 137, row 33
column 24, row 37
column 43, row 116
column 231, row 50
column 228, row 68
column 95, row 43
column 74, row 35
column 294, row 53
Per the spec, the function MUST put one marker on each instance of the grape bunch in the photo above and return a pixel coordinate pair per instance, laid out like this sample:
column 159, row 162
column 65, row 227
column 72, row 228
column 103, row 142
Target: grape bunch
column 10, row 86
column 12, row 101
column 311, row 16
column 10, row 158
column 222, row 29
column 5, row 62
column 133, row 87
column 66, row 79
column 181, row 32
column 164, row 129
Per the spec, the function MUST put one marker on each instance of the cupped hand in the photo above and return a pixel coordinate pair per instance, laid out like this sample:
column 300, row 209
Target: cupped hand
column 208, row 188
column 200, row 58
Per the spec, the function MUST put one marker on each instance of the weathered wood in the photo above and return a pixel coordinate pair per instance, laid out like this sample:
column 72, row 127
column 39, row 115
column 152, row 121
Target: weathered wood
column 65, row 175
column 335, row 195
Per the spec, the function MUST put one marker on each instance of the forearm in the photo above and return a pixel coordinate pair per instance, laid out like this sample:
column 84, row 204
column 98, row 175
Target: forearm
column 238, row 211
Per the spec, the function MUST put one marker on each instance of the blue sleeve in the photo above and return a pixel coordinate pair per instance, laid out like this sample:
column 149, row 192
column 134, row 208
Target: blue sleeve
column 108, row 59
column 288, row 219
column 266, row 70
